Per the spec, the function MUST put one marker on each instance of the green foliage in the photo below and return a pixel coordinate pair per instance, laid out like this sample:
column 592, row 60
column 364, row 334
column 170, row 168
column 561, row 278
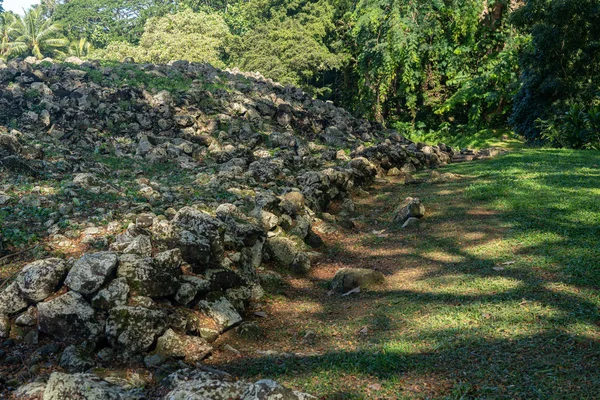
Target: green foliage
column 416, row 58
column 286, row 52
column 559, row 64
column 80, row 48
column 290, row 42
column 182, row 36
column 578, row 128
column 33, row 34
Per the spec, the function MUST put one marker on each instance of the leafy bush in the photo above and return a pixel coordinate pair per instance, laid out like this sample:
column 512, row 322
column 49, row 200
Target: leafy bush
column 183, row 36
column 578, row 128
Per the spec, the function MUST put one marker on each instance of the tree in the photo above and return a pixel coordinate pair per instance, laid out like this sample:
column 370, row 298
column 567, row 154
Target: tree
column 80, row 48
column 1, row 9
column 411, row 57
column 35, row 35
column 560, row 64
column 106, row 21
column 182, row 36
column 5, row 22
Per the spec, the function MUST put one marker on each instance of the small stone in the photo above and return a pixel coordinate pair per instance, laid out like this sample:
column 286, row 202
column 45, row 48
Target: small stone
column 4, row 326
column 347, row 279
column 28, row 318
column 410, row 207
column 310, row 338
column 154, row 360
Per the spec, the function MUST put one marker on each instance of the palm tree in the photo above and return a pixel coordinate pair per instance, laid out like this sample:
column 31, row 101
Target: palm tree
column 36, row 35
column 5, row 21
column 80, row 48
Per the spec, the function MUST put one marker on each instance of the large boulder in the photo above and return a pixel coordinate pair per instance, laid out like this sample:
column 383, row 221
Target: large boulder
column 91, row 271
column 40, row 279
column 68, row 316
column 152, row 277
column 134, row 329
column 347, row 279
column 62, row 386
column 409, row 208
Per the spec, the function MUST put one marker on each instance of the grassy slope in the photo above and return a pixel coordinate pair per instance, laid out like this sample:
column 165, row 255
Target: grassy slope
column 495, row 296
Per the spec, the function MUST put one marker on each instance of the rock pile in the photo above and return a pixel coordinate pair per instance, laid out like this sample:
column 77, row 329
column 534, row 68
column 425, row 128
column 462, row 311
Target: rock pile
column 213, row 173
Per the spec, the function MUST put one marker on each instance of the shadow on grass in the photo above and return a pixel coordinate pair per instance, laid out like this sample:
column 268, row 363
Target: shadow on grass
column 544, row 207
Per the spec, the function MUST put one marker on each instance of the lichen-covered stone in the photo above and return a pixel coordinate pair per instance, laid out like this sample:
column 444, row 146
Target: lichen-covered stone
column 267, row 389
column 76, row 359
column 409, row 208
column 192, row 348
column 347, row 279
column 28, row 318
column 68, row 316
column 134, row 329
column 222, row 312
column 153, row 277
column 4, row 326
column 63, row 386
column 91, row 271
column 39, row 279
column 200, row 385
column 115, row 294
column 11, row 300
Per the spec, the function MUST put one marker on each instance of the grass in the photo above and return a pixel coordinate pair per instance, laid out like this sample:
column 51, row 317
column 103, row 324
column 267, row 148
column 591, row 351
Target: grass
column 495, row 296
column 482, row 139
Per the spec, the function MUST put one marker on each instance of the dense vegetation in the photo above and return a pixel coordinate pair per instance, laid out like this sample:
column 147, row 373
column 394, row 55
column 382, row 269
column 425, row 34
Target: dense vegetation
column 446, row 66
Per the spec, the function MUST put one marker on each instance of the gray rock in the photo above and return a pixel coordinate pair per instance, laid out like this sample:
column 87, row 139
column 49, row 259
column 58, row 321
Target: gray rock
column 140, row 245
column 40, row 279
column 200, row 385
column 134, row 329
column 347, row 279
column 11, row 300
column 28, row 318
column 62, row 386
column 4, row 326
column 283, row 251
column 115, row 294
column 68, row 316
column 410, row 207
column 76, row 359
column 30, row 391
column 157, row 277
column 91, row 271
column 222, row 312
column 267, row 389
column 411, row 222
column 86, row 180
column 192, row 348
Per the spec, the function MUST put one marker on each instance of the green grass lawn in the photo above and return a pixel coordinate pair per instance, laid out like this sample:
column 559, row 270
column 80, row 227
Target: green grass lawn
column 494, row 297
